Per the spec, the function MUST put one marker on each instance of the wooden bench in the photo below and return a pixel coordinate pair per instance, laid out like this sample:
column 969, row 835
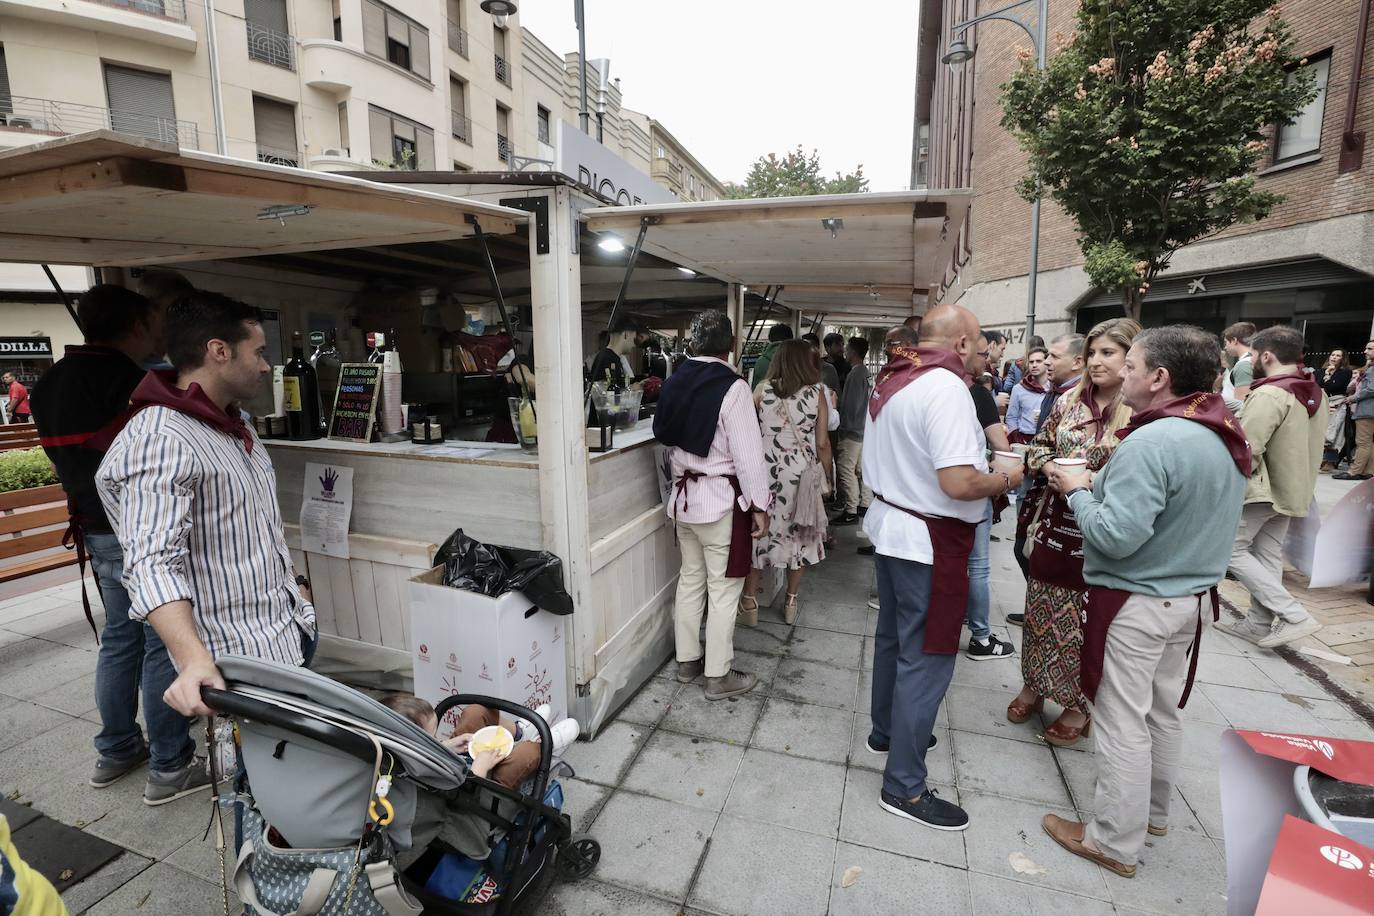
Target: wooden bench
column 20, row 435
column 32, row 524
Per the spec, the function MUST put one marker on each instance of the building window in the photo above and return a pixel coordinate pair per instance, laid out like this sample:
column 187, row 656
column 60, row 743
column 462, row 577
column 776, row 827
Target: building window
column 458, row 107
column 269, row 38
column 398, row 142
column 141, row 104
column 275, row 125
column 504, row 149
column 344, row 141
column 503, row 66
column 542, row 117
column 1304, row 135
column 338, row 20
column 457, row 34
column 660, row 153
column 395, row 37
column 6, row 100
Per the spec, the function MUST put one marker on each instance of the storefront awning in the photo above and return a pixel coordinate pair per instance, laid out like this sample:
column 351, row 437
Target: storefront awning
column 105, row 199
column 862, row 257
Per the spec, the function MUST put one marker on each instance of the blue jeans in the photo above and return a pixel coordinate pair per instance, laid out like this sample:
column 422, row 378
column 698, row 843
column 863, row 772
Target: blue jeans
column 908, row 683
column 132, row 656
column 979, row 596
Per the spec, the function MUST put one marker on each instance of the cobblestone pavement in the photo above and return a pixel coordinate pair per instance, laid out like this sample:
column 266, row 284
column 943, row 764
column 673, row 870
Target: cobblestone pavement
column 753, row 806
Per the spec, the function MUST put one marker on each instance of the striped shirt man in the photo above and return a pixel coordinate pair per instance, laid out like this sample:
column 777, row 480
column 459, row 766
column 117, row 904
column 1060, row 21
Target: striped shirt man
column 196, row 511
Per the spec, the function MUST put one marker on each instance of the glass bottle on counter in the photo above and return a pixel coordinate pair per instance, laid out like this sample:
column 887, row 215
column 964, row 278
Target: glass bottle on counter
column 301, row 394
column 326, row 359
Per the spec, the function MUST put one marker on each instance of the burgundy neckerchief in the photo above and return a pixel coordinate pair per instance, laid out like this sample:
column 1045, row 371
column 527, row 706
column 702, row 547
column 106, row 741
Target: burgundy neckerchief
column 1068, row 386
column 158, row 389
column 906, row 365
column 1207, row 409
column 1099, row 417
column 1031, row 384
column 1308, row 392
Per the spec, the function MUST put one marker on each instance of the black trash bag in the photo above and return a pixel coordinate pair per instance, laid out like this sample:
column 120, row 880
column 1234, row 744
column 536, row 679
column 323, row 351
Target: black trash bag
column 492, row 570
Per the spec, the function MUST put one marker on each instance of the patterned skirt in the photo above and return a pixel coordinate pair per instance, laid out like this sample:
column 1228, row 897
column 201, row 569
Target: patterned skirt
column 1052, row 643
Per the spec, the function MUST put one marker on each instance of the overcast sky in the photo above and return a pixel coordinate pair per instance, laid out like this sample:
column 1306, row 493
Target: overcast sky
column 736, row 80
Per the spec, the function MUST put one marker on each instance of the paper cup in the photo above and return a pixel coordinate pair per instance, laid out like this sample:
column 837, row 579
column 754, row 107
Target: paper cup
column 492, row 738
column 1072, row 464
column 1006, row 461
column 1020, row 448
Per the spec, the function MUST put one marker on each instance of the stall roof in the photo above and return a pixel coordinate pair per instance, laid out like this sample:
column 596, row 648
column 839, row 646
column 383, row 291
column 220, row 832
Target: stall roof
column 892, row 248
column 106, row 199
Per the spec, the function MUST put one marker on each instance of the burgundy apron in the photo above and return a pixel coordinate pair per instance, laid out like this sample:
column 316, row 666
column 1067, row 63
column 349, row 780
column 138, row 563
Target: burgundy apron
column 1057, row 557
column 741, row 557
column 1102, row 606
column 951, row 540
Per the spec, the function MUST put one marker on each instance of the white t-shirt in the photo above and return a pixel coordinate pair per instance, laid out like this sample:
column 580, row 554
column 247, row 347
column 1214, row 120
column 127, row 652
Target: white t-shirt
column 928, row 425
column 1228, row 384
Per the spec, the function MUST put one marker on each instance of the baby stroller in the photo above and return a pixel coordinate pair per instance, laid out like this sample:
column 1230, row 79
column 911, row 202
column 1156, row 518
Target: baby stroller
column 347, row 808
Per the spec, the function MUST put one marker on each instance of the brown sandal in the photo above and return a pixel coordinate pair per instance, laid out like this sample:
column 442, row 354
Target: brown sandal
column 1021, row 712
column 1061, row 735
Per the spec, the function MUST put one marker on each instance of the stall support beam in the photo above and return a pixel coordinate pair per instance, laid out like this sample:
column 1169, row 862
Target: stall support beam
column 630, row 269
column 734, row 308
column 491, row 275
column 66, row 300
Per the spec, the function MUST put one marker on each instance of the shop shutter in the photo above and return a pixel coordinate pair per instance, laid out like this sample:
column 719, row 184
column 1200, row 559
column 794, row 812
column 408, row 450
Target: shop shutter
column 374, row 30
column 424, row 149
column 275, row 123
column 269, row 14
column 419, row 50
column 141, row 103
column 6, row 100
column 379, row 129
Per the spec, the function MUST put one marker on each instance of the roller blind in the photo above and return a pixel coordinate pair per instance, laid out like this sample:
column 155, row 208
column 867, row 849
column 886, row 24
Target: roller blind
column 6, row 100
column 270, row 14
column 379, row 130
column 424, row 149
column 374, row 29
column 275, row 123
column 141, row 103
column 419, row 50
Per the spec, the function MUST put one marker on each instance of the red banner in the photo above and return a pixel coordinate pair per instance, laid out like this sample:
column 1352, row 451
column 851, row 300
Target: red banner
column 1316, row 871
column 1350, row 761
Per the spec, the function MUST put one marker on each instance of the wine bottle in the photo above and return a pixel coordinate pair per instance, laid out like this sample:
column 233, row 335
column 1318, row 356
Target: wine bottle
column 301, row 394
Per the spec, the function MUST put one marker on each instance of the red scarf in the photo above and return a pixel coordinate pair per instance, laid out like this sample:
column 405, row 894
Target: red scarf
column 1031, row 384
column 158, row 388
column 1308, row 392
column 1099, row 418
column 906, row 366
column 1207, row 409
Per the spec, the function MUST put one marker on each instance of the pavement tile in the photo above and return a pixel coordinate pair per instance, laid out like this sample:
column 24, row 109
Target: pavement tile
column 75, row 697
column 863, row 699
column 939, row 759
column 813, row 682
column 1201, row 791
column 1004, row 897
column 841, row 618
column 1288, row 678
column 1202, row 740
column 896, row 884
column 788, row 791
column 1001, row 675
column 49, row 772
column 863, row 823
column 1234, row 671
column 826, row 590
column 731, row 721
column 21, row 720
column 606, row 759
column 1181, row 874
column 1000, row 766
column 199, row 856
column 81, row 897
column 764, row 666
column 690, row 771
column 76, row 635
column 161, row 890
column 582, row 801
column 592, row 898
column 1081, row 772
column 22, row 607
column 1001, row 826
column 767, row 638
column 841, row 650
column 984, row 712
column 39, row 665
column 59, row 617
column 1241, row 708
column 650, row 845
column 803, row 730
column 650, row 704
column 764, row 870
column 153, row 832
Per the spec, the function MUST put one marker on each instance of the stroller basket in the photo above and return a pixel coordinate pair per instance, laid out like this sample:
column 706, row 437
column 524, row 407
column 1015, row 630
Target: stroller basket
column 346, row 796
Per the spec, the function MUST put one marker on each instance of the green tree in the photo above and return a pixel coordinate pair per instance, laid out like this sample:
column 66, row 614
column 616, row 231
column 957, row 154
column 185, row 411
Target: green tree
column 1147, row 124
column 795, row 174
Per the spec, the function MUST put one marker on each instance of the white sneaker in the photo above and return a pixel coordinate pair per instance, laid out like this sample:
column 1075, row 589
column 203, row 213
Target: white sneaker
column 564, row 734
column 545, row 712
column 873, row 603
column 1284, row 632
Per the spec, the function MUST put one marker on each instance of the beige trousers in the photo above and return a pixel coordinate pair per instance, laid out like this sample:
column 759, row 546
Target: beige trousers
column 1257, row 563
column 702, row 587
column 1362, row 462
column 848, row 466
column 1137, row 722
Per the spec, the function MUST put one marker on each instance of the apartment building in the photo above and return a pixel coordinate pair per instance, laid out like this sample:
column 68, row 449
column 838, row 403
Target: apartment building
column 1309, row 264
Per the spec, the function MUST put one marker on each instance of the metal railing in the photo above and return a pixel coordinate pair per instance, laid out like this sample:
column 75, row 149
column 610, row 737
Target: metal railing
column 504, row 148
column 458, row 39
column 165, row 9
column 272, row 156
column 502, row 69
column 271, row 47
column 57, row 119
column 462, row 127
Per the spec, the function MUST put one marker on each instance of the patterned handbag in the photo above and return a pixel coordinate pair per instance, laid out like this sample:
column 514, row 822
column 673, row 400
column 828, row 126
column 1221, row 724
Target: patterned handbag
column 809, row 509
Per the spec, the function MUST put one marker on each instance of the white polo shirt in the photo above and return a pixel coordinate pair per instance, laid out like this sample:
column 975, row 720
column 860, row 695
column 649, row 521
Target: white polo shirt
column 928, row 425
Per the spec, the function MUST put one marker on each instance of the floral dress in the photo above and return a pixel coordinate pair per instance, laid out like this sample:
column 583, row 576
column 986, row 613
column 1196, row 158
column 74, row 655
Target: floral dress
column 787, row 545
column 1052, row 637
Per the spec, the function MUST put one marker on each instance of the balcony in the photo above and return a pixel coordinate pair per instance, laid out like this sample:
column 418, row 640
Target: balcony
column 271, row 47
column 502, row 70
column 458, row 40
column 161, row 22
column 462, row 127
column 44, row 118
column 272, row 156
column 504, row 148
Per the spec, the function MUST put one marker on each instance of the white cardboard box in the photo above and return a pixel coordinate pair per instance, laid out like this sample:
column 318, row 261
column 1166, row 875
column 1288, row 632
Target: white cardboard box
column 466, row 642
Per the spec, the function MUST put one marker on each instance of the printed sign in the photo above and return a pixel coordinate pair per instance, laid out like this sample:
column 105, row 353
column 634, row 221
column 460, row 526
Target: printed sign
column 1314, row 870
column 1344, row 548
column 326, row 507
column 26, row 347
column 355, row 402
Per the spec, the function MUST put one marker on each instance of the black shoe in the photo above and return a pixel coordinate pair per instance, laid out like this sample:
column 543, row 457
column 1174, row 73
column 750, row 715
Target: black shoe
column 928, row 809
column 875, row 747
column 863, row 510
column 993, row 537
column 1349, row 476
column 1016, row 620
column 865, row 551
column 845, row 518
column 993, row 648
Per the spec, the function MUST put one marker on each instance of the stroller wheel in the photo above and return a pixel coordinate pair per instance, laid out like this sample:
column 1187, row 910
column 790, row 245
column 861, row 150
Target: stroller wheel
column 579, row 857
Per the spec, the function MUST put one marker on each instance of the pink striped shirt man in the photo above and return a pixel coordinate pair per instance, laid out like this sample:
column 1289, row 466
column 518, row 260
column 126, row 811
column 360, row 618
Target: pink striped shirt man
column 737, row 449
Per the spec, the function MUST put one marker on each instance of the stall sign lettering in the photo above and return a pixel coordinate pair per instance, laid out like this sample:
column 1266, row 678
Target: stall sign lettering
column 39, row 347
column 355, row 402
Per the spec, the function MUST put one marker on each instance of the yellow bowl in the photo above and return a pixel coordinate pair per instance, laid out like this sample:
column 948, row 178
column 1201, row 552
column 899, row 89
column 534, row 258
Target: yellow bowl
column 492, row 738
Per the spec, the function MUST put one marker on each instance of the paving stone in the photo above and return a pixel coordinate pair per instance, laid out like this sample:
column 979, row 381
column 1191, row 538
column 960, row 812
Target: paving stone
column 895, row 884
column 863, row 823
column 1243, row 709
column 999, row 827
column 803, row 730
column 841, row 650
column 1004, row 897
column 999, row 675
column 1181, row 874
column 22, row 607
column 939, row 759
column 153, row 832
column 650, row 845
column 592, row 898
column 1000, row 766
column 77, row 635
column 75, row 697
column 696, row 772
column 650, row 704
column 1081, row 772
column 1201, row 791
column 161, row 890
column 984, row 712
column 764, row 870
column 58, row 618
column 37, row 665
column 764, row 667
column 826, row 590
column 767, row 638
column 21, row 720
column 812, row 682
column 863, row 700
column 606, row 759
column 1234, row 671
column 582, row 801
column 841, row 618
column 82, row 896
column 731, row 721
column 201, row 858
column 49, row 772
column 17, row 815
column 788, row 791
column 1288, row 678
column 62, row 854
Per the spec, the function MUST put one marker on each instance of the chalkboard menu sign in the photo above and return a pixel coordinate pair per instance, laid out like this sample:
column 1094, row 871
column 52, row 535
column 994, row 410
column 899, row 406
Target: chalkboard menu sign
column 355, row 403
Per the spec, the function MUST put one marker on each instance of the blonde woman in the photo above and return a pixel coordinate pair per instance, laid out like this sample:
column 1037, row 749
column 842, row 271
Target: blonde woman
column 1083, row 425
column 793, row 413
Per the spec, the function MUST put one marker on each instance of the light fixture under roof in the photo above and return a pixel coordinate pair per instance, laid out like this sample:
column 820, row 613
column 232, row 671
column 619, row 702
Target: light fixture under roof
column 833, row 224
column 280, row 212
column 611, row 243
column 688, row 271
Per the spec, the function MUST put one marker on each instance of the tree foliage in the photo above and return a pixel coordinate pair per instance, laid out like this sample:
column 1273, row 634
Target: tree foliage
column 1148, row 122
column 795, row 174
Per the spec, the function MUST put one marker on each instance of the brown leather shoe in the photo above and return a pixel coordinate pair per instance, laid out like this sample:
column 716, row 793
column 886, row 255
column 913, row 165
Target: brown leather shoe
column 690, row 671
column 732, row 684
column 1061, row 735
column 1021, row 712
column 1069, row 834
column 1157, row 829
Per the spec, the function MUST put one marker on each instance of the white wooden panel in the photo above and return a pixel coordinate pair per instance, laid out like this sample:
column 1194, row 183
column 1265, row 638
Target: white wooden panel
column 391, row 551
column 317, row 570
column 391, row 593
column 341, row 586
column 365, row 601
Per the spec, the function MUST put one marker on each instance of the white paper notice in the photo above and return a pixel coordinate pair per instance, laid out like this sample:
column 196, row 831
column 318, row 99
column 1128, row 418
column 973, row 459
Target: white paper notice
column 325, row 509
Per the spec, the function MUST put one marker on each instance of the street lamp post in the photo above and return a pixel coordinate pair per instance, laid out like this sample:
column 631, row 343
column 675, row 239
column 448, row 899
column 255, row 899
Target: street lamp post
column 959, row 53
column 501, row 10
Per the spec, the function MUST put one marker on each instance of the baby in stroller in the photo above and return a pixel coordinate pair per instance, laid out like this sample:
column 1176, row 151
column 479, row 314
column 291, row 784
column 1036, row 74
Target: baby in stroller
column 512, row 770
